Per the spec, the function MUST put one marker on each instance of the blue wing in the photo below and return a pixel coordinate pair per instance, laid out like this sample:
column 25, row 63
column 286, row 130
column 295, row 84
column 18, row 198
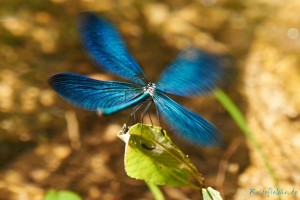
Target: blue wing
column 185, row 123
column 106, row 47
column 90, row 94
column 193, row 72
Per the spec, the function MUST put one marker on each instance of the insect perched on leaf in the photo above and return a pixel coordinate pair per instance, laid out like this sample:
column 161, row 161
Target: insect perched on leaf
column 193, row 72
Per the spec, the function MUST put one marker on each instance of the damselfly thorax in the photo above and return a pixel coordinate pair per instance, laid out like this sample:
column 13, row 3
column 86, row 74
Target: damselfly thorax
column 149, row 88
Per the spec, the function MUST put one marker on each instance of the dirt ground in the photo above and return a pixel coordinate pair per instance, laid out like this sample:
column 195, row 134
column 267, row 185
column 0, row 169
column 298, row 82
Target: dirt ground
column 47, row 143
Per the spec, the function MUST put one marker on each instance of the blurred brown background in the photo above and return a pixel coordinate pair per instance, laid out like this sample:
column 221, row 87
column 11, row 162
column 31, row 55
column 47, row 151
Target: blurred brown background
column 47, row 143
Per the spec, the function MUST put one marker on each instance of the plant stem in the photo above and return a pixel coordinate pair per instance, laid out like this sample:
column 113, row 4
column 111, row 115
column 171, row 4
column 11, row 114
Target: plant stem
column 156, row 192
column 238, row 117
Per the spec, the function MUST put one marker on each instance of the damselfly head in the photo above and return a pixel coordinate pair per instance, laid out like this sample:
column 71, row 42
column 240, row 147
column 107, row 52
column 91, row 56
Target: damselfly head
column 149, row 88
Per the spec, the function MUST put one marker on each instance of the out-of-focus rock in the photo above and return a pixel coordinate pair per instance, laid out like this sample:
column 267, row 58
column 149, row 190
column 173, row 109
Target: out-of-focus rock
column 271, row 87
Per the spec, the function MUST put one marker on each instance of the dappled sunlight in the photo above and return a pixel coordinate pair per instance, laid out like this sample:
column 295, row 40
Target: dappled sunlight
column 47, row 143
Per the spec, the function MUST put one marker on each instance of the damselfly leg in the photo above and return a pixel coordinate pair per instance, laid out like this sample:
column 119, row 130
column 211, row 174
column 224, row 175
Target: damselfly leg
column 158, row 119
column 134, row 110
column 146, row 110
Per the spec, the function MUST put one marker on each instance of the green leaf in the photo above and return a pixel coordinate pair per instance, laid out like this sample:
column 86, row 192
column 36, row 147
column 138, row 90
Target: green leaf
column 211, row 194
column 51, row 195
column 61, row 195
column 151, row 156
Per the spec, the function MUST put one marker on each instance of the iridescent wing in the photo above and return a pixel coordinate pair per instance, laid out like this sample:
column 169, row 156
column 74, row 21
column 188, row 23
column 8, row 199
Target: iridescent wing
column 90, row 94
column 104, row 44
column 185, row 123
column 193, row 72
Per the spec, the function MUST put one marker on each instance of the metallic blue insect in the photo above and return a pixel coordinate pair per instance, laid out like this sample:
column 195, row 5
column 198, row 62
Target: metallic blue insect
column 193, row 72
